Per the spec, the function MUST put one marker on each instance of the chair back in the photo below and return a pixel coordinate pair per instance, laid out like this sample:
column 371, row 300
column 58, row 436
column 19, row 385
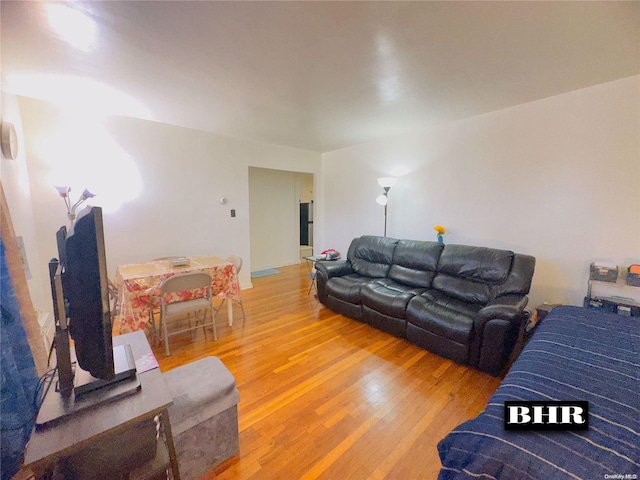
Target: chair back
column 186, row 281
column 236, row 260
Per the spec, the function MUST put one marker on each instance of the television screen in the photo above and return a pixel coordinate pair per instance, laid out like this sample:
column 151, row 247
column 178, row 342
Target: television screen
column 80, row 294
column 87, row 293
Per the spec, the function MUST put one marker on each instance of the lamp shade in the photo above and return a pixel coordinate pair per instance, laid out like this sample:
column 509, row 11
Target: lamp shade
column 387, row 181
column 63, row 191
column 381, row 200
column 86, row 195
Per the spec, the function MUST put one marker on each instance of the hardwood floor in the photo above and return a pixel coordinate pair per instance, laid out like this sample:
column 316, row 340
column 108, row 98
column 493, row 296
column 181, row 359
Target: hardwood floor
column 324, row 396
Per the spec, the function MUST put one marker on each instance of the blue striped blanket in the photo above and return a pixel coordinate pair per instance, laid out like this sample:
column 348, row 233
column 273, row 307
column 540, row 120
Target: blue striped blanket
column 575, row 354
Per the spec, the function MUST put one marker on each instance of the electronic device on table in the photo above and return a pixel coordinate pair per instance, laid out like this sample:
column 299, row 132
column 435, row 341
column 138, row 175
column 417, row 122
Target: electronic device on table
column 179, row 261
column 614, row 304
column 80, row 292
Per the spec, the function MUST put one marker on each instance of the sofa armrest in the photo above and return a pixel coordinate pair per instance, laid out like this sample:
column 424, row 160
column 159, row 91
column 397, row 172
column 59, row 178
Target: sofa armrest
column 505, row 307
column 329, row 269
column 496, row 329
column 334, row 268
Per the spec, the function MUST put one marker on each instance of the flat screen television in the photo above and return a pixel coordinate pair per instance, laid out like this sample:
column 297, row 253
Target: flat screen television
column 86, row 290
column 80, row 292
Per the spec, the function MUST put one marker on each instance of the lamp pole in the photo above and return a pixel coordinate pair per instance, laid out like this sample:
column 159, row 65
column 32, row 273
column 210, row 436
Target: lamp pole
column 386, row 183
column 386, row 192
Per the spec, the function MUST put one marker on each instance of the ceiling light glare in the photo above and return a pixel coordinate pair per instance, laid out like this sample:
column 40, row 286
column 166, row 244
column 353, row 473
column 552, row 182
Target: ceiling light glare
column 72, row 26
column 78, row 94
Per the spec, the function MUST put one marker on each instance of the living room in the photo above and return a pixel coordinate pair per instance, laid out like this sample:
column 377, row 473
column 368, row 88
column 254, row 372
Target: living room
column 556, row 176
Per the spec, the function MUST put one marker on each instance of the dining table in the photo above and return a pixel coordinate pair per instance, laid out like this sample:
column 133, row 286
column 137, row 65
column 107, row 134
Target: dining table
column 138, row 286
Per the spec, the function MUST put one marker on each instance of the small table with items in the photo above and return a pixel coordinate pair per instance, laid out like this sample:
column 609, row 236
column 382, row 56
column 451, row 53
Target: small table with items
column 138, row 286
column 311, row 261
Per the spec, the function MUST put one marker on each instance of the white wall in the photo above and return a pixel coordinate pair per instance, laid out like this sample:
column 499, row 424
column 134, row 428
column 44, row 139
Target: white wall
column 15, row 181
column 306, row 188
column 557, row 178
column 183, row 174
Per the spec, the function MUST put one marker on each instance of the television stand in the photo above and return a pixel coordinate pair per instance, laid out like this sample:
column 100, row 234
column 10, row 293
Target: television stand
column 89, row 392
column 48, row 446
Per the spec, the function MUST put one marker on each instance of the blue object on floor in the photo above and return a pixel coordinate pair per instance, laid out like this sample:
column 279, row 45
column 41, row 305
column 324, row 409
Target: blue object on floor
column 265, row 273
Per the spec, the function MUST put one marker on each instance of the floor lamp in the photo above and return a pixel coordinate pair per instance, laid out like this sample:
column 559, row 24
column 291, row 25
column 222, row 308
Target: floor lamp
column 386, row 183
column 71, row 209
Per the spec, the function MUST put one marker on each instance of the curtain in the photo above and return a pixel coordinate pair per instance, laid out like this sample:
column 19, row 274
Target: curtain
column 18, row 377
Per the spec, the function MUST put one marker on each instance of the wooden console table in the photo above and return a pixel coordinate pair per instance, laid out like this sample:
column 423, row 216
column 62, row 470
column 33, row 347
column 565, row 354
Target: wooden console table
column 50, row 444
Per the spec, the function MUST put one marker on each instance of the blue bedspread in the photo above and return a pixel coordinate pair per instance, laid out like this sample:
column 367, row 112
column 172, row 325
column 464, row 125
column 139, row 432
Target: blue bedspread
column 575, row 354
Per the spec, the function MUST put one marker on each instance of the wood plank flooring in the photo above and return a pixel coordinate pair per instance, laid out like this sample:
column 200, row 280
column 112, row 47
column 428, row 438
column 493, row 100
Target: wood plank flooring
column 323, row 396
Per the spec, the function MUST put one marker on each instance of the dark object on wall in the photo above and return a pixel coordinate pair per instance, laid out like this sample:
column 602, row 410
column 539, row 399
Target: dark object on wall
column 306, row 224
column 603, row 273
column 633, row 275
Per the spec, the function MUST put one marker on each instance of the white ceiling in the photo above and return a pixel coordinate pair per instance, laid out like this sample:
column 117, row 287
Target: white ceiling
column 323, row 75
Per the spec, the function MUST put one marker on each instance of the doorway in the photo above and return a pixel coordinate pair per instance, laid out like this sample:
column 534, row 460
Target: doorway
column 275, row 197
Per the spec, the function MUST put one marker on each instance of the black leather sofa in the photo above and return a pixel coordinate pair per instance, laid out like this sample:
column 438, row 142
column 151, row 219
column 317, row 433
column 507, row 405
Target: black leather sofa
column 462, row 302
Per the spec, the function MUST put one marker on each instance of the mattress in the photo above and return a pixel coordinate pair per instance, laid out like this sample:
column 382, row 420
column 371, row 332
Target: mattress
column 575, row 354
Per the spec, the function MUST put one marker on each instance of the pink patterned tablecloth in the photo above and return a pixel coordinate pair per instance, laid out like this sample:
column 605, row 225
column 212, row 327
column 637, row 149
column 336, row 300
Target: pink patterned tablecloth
column 139, row 286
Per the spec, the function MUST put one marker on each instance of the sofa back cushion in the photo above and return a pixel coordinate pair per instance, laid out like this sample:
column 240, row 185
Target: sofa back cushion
column 371, row 256
column 415, row 262
column 472, row 274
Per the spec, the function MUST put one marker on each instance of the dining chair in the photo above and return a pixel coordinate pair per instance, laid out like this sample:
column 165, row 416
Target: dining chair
column 152, row 326
column 184, row 284
column 237, row 262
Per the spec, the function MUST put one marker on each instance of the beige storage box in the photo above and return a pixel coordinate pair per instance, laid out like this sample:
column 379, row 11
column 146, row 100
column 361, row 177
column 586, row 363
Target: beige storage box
column 204, row 415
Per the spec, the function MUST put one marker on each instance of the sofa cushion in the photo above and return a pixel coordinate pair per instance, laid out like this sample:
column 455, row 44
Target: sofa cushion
column 443, row 315
column 346, row 288
column 388, row 296
column 372, row 256
column 415, row 262
column 472, row 273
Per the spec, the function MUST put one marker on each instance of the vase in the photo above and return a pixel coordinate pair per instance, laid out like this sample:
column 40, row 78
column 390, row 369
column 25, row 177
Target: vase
column 440, row 239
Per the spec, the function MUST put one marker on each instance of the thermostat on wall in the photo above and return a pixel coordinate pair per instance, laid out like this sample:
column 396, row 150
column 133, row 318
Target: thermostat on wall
column 9, row 141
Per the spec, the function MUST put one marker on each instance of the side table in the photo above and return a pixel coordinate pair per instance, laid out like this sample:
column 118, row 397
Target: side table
column 541, row 312
column 311, row 261
column 90, row 427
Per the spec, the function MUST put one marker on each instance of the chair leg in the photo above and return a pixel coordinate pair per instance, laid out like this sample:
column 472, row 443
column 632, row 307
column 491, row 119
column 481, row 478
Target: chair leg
column 204, row 323
column 221, row 304
column 244, row 317
column 191, row 327
column 153, row 329
column 163, row 321
column 214, row 313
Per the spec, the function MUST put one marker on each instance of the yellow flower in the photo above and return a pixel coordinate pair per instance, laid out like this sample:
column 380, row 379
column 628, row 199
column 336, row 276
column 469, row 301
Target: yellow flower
column 440, row 229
